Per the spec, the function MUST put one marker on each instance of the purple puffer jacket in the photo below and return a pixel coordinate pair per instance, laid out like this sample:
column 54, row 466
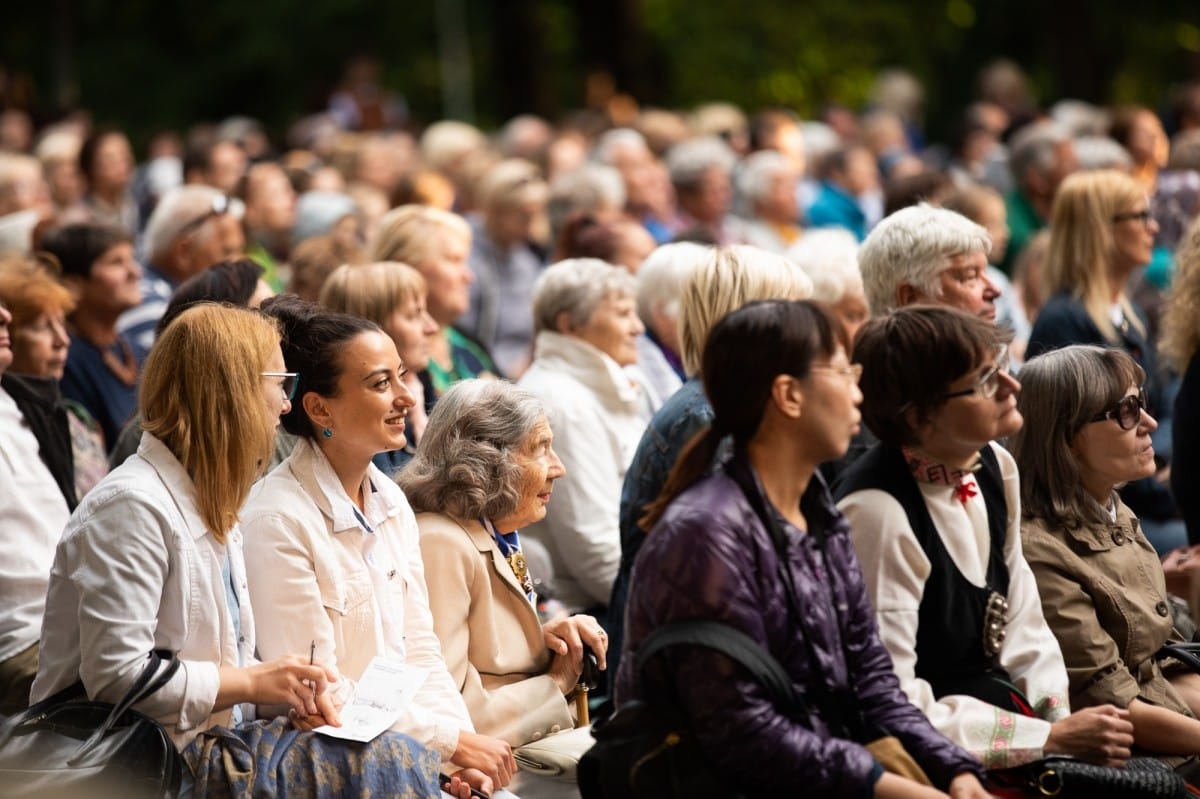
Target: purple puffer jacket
column 711, row 558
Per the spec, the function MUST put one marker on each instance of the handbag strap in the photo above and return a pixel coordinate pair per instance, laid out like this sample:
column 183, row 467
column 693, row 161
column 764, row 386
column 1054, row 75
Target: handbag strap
column 730, row 641
column 148, row 682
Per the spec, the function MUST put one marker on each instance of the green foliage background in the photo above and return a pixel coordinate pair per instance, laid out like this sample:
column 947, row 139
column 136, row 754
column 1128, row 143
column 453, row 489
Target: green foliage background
column 149, row 65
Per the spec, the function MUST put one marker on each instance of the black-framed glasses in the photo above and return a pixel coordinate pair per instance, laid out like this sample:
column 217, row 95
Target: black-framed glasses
column 989, row 382
column 221, row 204
column 1127, row 412
column 1144, row 216
column 288, row 386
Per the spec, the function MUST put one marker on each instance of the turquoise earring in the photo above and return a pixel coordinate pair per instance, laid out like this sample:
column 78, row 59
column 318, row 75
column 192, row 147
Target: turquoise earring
column 327, row 433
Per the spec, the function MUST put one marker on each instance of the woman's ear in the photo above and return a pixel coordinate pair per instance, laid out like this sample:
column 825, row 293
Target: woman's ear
column 788, row 395
column 562, row 322
column 314, row 405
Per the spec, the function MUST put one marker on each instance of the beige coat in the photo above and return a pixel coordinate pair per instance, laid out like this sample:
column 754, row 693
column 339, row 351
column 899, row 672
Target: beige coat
column 490, row 633
column 1104, row 595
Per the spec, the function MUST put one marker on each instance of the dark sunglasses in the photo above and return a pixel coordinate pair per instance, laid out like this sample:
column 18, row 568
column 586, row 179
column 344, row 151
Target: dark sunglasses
column 1126, row 413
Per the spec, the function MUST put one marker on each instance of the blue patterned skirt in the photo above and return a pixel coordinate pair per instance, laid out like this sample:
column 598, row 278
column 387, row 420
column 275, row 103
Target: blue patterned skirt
column 276, row 761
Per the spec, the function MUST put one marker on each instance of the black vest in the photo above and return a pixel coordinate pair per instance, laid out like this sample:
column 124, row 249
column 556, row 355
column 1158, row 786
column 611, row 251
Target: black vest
column 950, row 649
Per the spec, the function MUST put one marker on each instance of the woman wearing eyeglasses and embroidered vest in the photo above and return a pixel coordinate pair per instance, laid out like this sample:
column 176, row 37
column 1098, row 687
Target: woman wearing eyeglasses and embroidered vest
column 1102, row 587
column 935, row 513
column 485, row 470
column 1101, row 232
column 334, row 545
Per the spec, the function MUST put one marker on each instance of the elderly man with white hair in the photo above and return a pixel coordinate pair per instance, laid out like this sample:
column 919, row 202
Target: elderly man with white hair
column 647, row 192
column 767, row 184
column 192, row 228
column 701, row 171
column 1040, row 156
column 923, row 254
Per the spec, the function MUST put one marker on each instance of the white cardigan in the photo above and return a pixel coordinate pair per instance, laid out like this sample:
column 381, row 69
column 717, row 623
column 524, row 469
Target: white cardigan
column 137, row 570
column 320, row 576
column 597, row 416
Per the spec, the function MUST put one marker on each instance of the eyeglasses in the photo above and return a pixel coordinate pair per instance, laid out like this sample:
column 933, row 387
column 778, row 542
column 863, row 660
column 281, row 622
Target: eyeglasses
column 851, row 371
column 989, row 382
column 1143, row 216
column 290, row 381
column 1126, row 413
column 221, row 204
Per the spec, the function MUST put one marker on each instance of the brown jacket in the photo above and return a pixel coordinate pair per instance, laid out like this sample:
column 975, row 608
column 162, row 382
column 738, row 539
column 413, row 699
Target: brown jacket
column 490, row 633
column 1104, row 596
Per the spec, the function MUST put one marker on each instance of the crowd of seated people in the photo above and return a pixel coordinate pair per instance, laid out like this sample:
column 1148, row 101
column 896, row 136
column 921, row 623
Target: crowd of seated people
column 523, row 398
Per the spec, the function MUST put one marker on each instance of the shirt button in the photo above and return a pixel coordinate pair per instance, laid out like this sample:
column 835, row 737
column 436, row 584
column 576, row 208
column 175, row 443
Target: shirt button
column 1162, row 609
column 1118, row 537
column 555, row 728
column 537, row 736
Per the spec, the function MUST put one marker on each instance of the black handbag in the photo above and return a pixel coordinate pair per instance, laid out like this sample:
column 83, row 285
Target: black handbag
column 67, row 746
column 647, row 749
column 1068, row 778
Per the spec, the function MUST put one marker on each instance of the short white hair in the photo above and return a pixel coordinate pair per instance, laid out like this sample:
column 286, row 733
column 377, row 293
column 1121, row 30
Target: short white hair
column 586, row 189
column 913, row 246
column 758, row 170
column 576, row 287
column 605, row 151
column 829, row 256
column 661, row 276
column 689, row 160
column 1101, row 152
column 175, row 211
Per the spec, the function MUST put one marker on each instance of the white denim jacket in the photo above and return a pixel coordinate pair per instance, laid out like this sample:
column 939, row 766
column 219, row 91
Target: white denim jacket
column 137, row 570
column 353, row 587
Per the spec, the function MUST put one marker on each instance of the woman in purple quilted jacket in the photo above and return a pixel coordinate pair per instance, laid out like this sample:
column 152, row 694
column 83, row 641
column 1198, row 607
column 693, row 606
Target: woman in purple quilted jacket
column 781, row 386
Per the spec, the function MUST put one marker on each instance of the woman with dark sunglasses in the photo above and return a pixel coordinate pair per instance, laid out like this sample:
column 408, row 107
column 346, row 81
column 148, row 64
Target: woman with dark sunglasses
column 1103, row 594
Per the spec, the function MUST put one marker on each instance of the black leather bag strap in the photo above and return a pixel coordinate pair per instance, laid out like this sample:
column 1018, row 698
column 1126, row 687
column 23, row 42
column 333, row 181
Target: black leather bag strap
column 146, row 684
column 1187, row 653
column 732, row 642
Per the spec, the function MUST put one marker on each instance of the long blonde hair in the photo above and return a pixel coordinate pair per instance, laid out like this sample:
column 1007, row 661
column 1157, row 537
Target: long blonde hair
column 202, row 396
column 1082, row 245
column 1181, row 320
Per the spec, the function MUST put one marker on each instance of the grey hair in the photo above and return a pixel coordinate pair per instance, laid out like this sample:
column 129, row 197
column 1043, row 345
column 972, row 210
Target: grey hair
column 605, row 151
column 1101, row 152
column 757, row 171
column 576, row 287
column 1061, row 391
column 175, row 211
column 829, row 256
column 913, row 246
column 1036, row 147
column 588, row 189
column 465, row 466
column 689, row 160
column 661, row 276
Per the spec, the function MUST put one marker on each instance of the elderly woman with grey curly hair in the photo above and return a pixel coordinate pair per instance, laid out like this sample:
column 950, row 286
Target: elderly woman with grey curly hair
column 486, row 468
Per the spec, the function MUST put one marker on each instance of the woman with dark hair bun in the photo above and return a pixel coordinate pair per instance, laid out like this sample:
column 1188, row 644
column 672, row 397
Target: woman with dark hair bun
column 780, row 384
column 335, row 543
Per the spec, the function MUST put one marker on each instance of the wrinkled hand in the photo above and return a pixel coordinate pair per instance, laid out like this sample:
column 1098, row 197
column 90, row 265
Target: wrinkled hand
column 490, row 756
column 463, row 781
column 291, row 680
column 567, row 637
column 1101, row 735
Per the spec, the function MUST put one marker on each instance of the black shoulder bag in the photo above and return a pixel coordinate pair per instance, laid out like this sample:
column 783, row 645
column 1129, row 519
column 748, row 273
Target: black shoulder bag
column 647, row 748
column 68, row 746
